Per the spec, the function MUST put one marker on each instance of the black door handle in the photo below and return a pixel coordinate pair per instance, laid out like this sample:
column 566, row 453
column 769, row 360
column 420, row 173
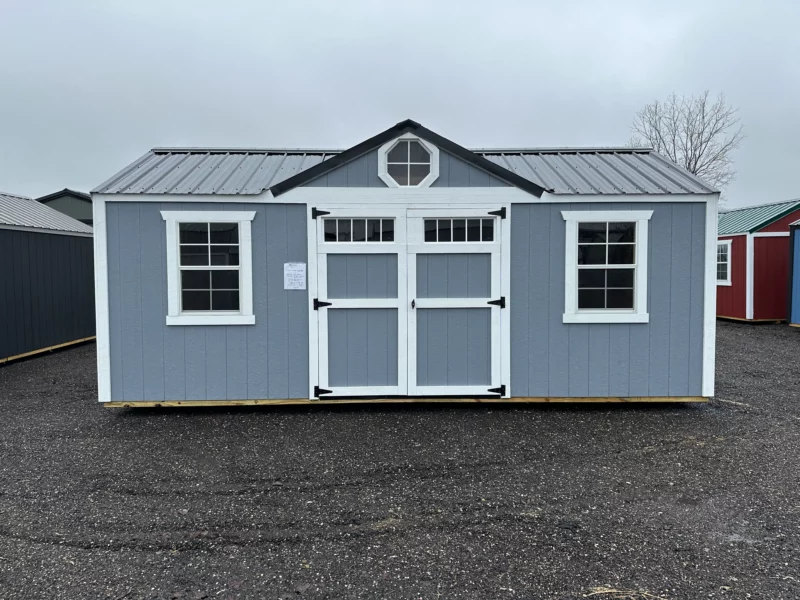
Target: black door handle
column 413, row 304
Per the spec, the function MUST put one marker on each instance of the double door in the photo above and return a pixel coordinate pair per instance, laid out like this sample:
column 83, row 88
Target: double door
column 408, row 302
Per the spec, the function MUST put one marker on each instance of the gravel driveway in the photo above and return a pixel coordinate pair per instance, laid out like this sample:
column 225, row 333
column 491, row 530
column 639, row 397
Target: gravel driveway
column 551, row 502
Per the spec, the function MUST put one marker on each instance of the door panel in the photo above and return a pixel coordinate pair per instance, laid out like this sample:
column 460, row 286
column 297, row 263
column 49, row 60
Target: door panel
column 454, row 275
column 454, row 347
column 362, row 347
column 362, row 276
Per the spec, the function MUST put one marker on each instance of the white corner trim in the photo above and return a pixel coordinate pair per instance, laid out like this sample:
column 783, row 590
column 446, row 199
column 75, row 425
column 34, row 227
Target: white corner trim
column 99, row 220
column 245, row 315
column 710, row 300
column 211, row 319
column 571, row 312
column 767, row 234
column 383, row 169
column 749, row 266
column 313, row 322
column 729, row 244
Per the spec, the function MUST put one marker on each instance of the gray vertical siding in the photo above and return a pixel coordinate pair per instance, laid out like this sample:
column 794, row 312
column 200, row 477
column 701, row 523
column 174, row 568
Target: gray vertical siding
column 363, row 172
column 46, row 291
column 661, row 358
column 150, row 361
column 454, row 346
column 362, row 347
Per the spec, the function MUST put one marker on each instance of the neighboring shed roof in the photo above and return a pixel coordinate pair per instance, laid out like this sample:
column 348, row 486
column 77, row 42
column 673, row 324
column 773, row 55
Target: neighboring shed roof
column 753, row 218
column 254, row 170
column 27, row 213
column 65, row 192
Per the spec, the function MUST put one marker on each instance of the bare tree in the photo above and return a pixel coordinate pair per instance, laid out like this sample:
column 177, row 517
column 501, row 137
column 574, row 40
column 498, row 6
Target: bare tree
column 696, row 132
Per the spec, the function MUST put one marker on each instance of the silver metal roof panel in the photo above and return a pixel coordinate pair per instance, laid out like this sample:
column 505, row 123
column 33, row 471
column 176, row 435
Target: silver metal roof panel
column 252, row 171
column 27, row 213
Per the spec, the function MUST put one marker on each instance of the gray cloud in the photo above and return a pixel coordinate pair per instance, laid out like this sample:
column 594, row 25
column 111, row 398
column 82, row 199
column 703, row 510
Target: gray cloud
column 86, row 87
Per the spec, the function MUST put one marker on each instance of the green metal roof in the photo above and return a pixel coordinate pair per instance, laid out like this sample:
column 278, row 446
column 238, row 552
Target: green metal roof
column 753, row 218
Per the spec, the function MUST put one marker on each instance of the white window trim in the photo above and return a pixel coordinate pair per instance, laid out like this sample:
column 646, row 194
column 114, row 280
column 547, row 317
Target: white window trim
column 639, row 313
column 244, row 316
column 383, row 169
column 728, row 243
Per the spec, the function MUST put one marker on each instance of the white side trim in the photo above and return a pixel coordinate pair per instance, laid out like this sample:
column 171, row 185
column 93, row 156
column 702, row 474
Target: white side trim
column 313, row 315
column 505, row 290
column 245, row 314
column 729, row 244
column 710, row 300
column 383, row 169
column 772, row 234
column 749, row 265
column 571, row 312
column 101, row 300
column 40, row 230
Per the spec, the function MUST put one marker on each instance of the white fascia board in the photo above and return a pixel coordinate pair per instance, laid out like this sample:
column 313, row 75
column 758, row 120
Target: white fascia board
column 768, row 234
column 548, row 197
column 408, row 197
column 217, row 198
column 710, row 300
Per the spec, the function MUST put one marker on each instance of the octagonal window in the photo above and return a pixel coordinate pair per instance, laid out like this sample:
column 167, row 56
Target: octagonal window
column 408, row 162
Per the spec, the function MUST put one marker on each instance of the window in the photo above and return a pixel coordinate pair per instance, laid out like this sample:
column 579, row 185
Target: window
column 606, row 266
column 358, row 230
column 209, row 268
column 724, row 262
column 408, row 162
column 459, row 230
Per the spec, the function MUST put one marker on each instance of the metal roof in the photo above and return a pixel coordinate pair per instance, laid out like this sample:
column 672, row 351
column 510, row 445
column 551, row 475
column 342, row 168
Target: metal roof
column 753, row 218
column 65, row 192
column 253, row 170
column 27, row 213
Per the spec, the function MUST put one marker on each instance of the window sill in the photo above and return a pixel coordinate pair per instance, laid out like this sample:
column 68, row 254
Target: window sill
column 724, row 283
column 211, row 320
column 588, row 317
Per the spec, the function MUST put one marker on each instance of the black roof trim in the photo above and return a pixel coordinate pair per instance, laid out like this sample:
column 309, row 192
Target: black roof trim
column 386, row 136
column 65, row 192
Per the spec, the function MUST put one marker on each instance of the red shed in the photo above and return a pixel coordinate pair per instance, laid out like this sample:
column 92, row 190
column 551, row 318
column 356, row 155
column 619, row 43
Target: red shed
column 752, row 261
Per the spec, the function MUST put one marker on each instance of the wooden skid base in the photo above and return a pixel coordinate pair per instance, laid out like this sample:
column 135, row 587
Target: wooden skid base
column 741, row 320
column 48, row 349
column 296, row 401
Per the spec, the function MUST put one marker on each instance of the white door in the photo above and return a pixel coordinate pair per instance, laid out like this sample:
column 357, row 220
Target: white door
column 409, row 302
column 361, row 302
column 455, row 302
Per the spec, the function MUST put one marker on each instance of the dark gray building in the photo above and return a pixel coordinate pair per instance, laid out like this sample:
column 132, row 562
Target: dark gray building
column 404, row 267
column 46, row 279
column 77, row 205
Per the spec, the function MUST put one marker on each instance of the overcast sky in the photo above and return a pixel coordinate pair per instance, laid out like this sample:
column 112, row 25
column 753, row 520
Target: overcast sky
column 88, row 86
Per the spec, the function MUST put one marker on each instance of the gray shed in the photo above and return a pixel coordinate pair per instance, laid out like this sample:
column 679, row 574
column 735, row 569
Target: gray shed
column 47, row 292
column 77, row 205
column 405, row 267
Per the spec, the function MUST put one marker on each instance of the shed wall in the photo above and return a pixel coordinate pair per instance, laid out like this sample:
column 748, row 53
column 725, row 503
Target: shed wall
column 732, row 299
column 770, row 274
column 73, row 207
column 46, row 291
column 661, row 358
column 794, row 308
column 151, row 361
column 363, row 172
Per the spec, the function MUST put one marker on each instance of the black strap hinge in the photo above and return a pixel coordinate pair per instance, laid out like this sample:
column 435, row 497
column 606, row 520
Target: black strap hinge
column 498, row 390
column 318, row 303
column 318, row 391
column 315, row 212
column 501, row 302
column 499, row 213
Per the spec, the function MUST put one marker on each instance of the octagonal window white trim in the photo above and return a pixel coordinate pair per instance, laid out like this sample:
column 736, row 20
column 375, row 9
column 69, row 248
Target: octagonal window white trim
column 383, row 169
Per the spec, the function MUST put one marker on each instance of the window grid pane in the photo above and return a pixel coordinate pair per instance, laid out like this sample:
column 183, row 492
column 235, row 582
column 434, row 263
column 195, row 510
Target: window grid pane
column 343, row 230
column 459, row 230
column 209, row 267
column 606, row 266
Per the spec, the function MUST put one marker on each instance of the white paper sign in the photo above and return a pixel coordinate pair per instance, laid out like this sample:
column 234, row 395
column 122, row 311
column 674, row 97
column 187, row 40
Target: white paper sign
column 294, row 276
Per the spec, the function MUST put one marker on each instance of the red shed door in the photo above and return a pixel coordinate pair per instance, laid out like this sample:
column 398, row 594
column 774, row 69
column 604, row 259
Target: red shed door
column 770, row 273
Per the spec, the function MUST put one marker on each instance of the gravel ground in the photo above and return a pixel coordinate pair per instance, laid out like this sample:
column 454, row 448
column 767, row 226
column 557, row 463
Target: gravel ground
column 552, row 502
